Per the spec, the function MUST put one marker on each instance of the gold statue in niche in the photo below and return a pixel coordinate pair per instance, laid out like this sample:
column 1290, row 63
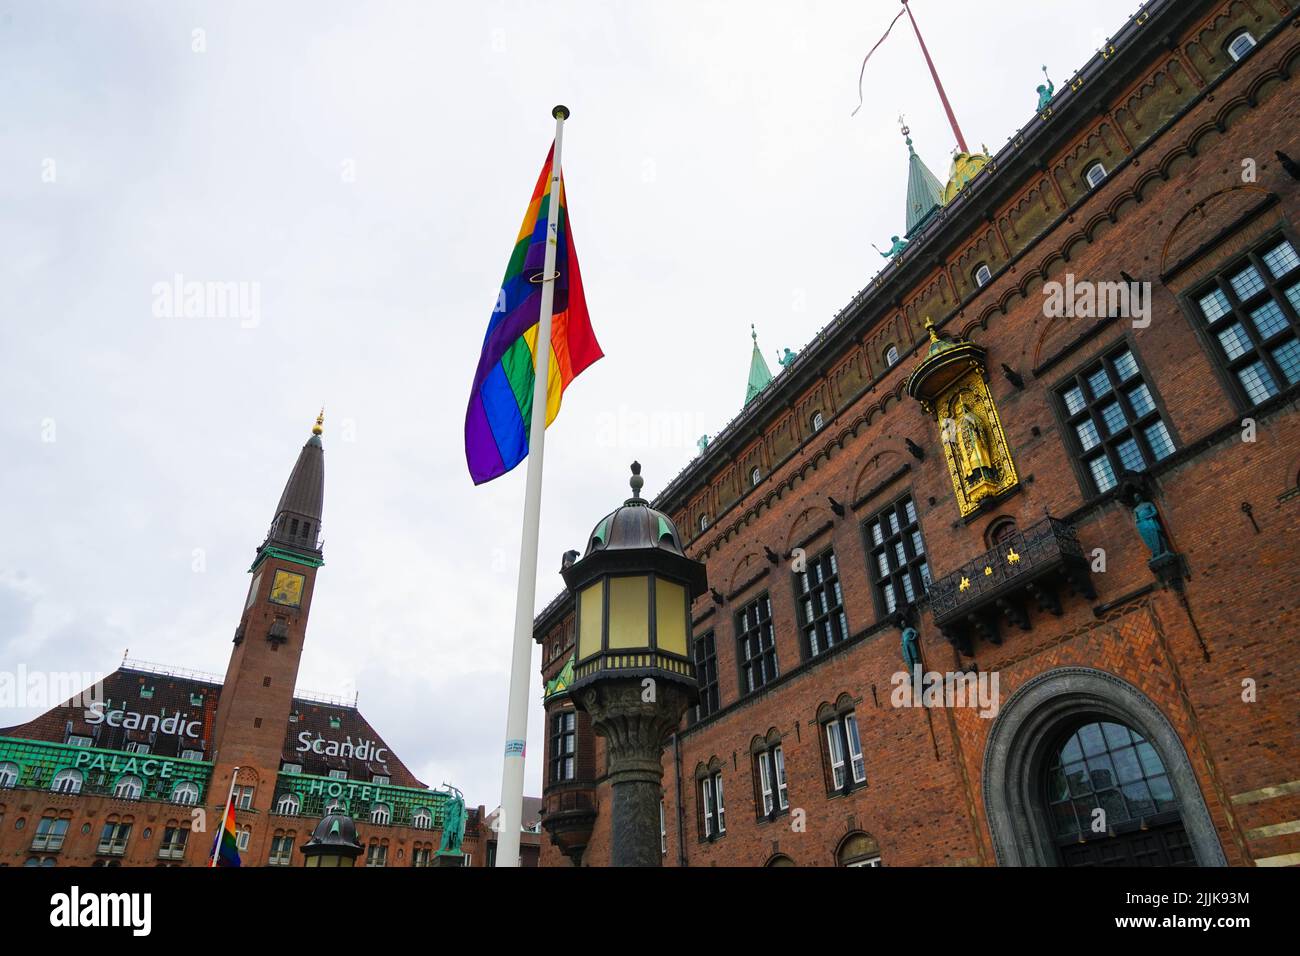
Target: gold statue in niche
column 950, row 384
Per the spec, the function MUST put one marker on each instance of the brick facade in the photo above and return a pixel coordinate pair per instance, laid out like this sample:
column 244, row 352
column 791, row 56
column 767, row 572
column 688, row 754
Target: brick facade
column 1188, row 139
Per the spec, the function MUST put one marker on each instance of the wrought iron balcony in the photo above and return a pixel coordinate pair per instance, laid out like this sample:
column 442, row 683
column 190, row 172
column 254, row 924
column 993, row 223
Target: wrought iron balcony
column 1033, row 565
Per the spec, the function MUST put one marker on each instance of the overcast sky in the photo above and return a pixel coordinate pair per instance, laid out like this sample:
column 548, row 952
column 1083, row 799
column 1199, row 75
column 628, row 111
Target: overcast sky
column 363, row 168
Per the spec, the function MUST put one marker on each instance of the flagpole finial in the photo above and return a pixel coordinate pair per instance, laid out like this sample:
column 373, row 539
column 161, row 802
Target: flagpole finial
column 561, row 112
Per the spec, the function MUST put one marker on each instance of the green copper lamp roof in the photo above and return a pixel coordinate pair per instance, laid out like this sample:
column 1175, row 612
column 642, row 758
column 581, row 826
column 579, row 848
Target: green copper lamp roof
column 759, row 374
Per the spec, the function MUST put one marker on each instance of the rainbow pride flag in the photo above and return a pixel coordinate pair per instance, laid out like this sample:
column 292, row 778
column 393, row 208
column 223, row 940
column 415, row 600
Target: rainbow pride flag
column 225, row 848
column 501, row 400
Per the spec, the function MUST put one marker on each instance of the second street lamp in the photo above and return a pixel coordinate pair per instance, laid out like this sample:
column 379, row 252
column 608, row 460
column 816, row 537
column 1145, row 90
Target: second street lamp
column 633, row 672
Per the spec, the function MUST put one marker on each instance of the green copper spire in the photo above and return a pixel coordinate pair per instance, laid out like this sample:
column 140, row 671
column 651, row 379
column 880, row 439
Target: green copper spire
column 924, row 191
column 759, row 374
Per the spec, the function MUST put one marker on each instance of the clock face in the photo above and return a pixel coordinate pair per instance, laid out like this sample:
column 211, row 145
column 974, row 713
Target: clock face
column 252, row 590
column 286, row 588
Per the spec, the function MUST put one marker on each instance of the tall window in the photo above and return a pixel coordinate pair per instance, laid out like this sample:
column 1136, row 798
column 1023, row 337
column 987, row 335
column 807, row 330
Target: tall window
column 844, row 752
column 1241, row 44
column 50, row 833
column 663, row 829
column 1111, row 416
column 563, row 739
column 377, row 854
column 172, row 845
column 821, row 604
column 756, row 645
column 769, row 770
column 422, row 856
column 899, row 567
column 112, row 839
column 243, row 797
column 711, row 799
column 1250, row 314
column 983, row 275
column 706, row 674
column 281, row 850
column 1095, row 175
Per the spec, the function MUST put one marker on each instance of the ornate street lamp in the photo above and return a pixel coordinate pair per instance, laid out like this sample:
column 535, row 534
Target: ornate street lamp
column 633, row 672
column 333, row 842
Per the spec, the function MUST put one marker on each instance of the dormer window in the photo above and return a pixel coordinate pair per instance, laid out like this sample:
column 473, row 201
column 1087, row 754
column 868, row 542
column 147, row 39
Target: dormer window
column 983, row 275
column 335, row 722
column 146, row 692
column 379, row 780
column 1095, row 175
column 755, row 476
column 338, row 775
column 1240, row 45
column 817, row 422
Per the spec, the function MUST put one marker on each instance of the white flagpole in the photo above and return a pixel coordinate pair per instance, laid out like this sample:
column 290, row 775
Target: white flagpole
column 521, row 661
column 216, row 844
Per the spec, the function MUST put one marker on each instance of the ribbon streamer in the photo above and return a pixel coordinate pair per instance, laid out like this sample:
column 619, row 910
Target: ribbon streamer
column 868, row 57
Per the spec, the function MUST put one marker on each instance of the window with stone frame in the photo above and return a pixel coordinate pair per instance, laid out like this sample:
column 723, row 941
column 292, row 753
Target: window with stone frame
column 281, row 848
column 711, row 800
column 564, row 736
column 771, row 790
column 706, row 675
column 900, row 570
column 1249, row 317
column 846, row 766
column 1113, row 419
column 822, row 621
column 174, row 839
column 756, row 645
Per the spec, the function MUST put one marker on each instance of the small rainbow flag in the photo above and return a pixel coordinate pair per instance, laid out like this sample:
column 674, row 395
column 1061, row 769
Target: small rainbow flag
column 225, row 848
column 501, row 400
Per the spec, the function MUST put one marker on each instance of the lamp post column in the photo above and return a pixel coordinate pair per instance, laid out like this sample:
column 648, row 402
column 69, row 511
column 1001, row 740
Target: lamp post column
column 636, row 718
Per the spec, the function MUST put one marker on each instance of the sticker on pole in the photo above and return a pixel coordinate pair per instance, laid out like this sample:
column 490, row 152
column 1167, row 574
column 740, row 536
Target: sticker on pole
column 515, row 748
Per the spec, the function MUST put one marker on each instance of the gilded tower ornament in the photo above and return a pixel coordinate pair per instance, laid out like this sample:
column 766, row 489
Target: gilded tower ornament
column 951, row 383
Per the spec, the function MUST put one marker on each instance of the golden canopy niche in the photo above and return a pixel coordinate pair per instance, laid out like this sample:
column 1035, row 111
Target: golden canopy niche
column 951, row 383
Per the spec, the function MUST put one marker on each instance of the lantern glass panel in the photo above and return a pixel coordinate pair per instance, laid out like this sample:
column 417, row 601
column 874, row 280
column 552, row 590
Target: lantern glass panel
column 670, row 617
column 591, row 613
column 629, row 612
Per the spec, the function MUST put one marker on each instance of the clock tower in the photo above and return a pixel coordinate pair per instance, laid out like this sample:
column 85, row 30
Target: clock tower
column 257, row 696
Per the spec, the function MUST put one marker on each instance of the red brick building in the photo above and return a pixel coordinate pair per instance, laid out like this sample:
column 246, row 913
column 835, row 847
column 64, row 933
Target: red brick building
column 1084, row 512
column 125, row 773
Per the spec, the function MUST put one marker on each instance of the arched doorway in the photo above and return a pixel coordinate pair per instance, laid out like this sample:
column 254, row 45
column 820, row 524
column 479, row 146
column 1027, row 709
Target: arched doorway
column 1111, row 801
column 1076, row 740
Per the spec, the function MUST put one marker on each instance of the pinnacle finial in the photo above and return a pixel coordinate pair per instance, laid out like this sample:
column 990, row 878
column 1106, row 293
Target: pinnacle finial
column 637, row 482
column 320, row 422
column 929, row 327
column 753, row 333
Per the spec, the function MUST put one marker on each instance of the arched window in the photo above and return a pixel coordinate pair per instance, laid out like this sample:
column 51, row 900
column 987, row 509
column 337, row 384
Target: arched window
column 335, row 803
column 422, row 819
column 818, row 422
column 1110, row 800
column 288, row 805
column 128, row 787
column 983, row 275
column 67, row 781
column 858, row 849
column 1240, row 45
column 755, row 476
column 186, row 792
column 8, row 775
column 999, row 531
column 381, row 813
column 769, row 775
column 780, row 860
column 891, row 356
column 703, row 523
column 1095, row 175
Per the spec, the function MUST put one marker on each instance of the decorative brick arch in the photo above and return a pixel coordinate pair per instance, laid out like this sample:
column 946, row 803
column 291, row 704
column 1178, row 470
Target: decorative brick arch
column 1020, row 742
